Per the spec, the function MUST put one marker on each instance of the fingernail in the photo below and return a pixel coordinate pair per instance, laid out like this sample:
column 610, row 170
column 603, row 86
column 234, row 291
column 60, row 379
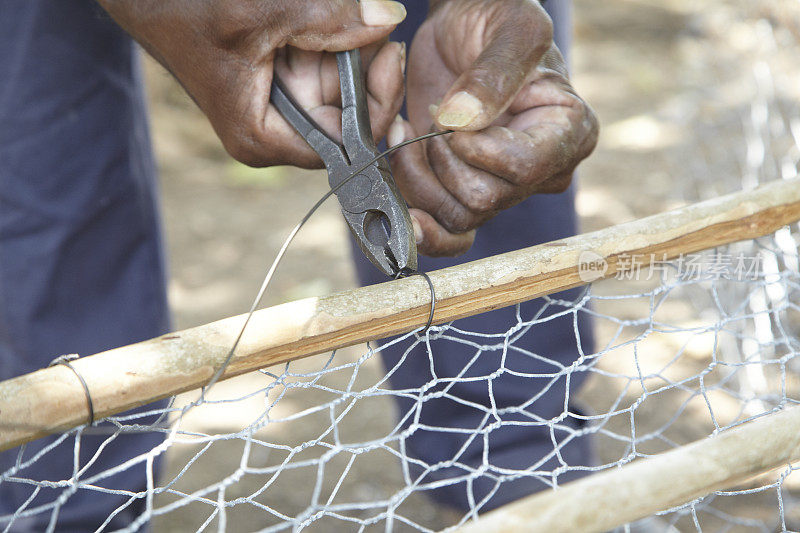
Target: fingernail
column 397, row 132
column 382, row 12
column 460, row 110
column 433, row 110
column 417, row 230
column 403, row 58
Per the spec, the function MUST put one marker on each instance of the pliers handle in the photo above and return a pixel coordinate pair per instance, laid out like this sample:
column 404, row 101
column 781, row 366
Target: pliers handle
column 374, row 210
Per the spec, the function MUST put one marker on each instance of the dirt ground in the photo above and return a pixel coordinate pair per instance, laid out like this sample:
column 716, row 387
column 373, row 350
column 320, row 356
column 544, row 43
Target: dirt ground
column 673, row 83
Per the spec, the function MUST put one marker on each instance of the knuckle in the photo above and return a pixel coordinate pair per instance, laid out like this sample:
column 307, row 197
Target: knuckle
column 557, row 185
column 561, row 185
column 448, row 245
column 243, row 145
column 460, row 250
column 525, row 170
column 234, row 22
column 434, row 250
column 464, row 245
column 461, row 244
column 592, row 127
column 327, row 17
column 481, row 198
column 456, row 219
column 243, row 153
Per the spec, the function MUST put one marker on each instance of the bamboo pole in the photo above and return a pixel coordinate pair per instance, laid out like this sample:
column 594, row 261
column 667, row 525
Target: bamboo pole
column 52, row 399
column 613, row 498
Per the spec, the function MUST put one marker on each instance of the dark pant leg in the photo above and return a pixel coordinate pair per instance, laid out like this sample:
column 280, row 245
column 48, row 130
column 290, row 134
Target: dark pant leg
column 80, row 262
column 467, row 404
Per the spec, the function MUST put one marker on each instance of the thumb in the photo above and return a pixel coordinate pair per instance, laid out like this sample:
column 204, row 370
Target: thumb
column 516, row 38
column 333, row 25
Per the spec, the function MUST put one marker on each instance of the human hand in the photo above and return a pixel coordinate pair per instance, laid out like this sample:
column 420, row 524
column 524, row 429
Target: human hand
column 225, row 52
column 521, row 128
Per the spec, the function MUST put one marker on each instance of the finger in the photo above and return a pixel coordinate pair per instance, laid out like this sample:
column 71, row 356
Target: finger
column 369, row 52
column 385, row 87
column 518, row 35
column 333, row 25
column 329, row 72
column 280, row 144
column 313, row 77
column 549, row 86
column 418, row 183
column 303, row 74
column 550, row 129
column 313, row 80
column 481, row 192
column 244, row 120
column 436, row 240
column 554, row 144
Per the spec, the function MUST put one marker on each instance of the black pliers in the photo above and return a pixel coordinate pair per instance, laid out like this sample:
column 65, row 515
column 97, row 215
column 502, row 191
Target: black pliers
column 371, row 204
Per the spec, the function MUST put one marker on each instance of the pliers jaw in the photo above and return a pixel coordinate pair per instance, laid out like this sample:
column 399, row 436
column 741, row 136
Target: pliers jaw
column 380, row 224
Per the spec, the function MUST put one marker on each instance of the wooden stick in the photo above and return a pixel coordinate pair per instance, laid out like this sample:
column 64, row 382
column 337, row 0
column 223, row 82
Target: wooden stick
column 52, row 399
column 613, row 498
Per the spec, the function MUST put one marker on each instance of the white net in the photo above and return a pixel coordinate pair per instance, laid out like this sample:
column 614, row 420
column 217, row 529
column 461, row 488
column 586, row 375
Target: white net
column 682, row 351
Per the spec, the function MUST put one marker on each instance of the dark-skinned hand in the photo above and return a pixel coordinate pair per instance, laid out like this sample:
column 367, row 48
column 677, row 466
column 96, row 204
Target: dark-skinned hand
column 521, row 128
column 224, row 53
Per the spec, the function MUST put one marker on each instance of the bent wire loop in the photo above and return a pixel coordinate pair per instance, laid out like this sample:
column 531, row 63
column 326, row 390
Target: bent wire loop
column 66, row 360
column 406, row 273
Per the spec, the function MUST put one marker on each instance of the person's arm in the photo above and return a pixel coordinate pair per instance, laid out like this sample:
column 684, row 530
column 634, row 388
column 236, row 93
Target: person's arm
column 224, row 53
column 521, row 128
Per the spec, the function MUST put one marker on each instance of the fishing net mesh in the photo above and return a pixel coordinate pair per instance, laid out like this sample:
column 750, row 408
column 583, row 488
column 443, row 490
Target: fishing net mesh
column 683, row 350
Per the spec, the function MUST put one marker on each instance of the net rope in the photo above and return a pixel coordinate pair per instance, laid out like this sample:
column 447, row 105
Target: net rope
column 683, row 351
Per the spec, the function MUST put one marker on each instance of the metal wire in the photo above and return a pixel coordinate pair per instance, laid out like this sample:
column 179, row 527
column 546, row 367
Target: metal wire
column 292, row 234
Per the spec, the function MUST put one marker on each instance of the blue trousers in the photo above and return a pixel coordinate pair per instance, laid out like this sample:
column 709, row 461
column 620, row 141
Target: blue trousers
column 539, row 219
column 81, row 265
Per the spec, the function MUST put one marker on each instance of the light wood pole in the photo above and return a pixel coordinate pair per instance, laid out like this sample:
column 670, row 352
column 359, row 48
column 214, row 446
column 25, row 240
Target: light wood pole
column 53, row 399
column 615, row 497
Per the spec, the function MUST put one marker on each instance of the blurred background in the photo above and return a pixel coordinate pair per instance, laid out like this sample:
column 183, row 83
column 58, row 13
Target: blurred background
column 675, row 83
column 695, row 99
